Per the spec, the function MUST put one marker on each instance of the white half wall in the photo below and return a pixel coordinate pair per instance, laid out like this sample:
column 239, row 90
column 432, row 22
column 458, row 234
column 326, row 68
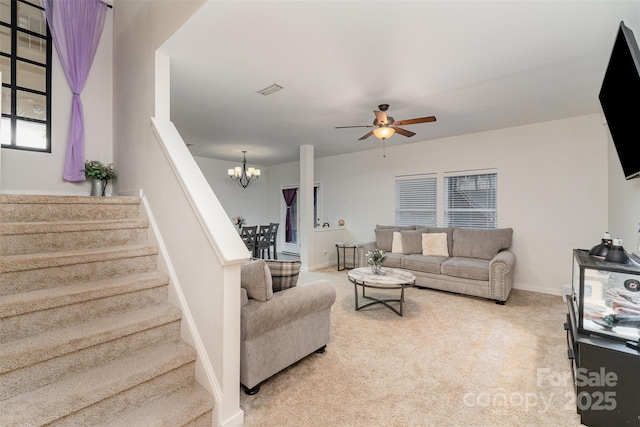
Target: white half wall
column 30, row 172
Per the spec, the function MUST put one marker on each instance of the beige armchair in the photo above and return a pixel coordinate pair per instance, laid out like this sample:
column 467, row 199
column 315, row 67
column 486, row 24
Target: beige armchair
column 281, row 323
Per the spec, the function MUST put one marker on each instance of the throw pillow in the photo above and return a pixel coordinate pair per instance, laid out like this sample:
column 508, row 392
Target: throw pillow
column 384, row 238
column 434, row 244
column 255, row 278
column 284, row 274
column 396, row 245
column 412, row 241
column 449, row 231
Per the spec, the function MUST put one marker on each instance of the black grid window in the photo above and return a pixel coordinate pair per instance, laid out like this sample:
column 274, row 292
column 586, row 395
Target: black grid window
column 25, row 59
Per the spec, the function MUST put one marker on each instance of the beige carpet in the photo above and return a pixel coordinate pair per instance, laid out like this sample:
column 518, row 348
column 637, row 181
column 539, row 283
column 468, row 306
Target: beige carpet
column 452, row 360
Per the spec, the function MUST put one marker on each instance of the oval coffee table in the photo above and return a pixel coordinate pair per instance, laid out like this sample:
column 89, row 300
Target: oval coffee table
column 389, row 278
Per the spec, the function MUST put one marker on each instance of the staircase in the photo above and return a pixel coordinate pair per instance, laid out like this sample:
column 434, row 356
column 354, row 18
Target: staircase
column 87, row 336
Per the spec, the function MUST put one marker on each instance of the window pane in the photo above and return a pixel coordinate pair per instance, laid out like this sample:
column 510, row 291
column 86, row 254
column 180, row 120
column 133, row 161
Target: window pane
column 6, row 100
column 32, row 47
column 471, row 201
column 31, row 105
column 31, row 135
column 30, row 18
column 5, row 11
column 416, row 201
column 5, row 40
column 5, row 67
column 31, row 76
column 5, row 131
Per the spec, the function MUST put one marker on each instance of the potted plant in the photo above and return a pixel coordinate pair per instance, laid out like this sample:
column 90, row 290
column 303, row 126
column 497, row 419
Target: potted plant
column 238, row 221
column 100, row 174
column 375, row 258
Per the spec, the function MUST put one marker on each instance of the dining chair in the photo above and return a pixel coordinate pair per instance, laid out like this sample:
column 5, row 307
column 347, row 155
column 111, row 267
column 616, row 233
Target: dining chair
column 250, row 238
column 274, row 234
column 264, row 241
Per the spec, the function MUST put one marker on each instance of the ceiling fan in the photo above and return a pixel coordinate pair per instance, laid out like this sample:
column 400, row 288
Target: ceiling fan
column 385, row 126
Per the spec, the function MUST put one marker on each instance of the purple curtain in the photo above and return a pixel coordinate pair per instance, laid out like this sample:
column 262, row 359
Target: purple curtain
column 289, row 194
column 76, row 27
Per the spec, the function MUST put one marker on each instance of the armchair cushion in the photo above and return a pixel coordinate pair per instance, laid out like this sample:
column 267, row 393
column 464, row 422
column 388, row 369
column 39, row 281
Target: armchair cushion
column 284, row 274
column 255, row 278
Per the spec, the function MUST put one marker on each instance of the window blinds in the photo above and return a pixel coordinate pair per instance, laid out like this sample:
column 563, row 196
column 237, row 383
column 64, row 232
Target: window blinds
column 416, row 201
column 471, row 201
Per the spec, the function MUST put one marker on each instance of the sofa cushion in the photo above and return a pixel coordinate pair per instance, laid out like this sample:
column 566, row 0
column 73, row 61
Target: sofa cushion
column 434, row 244
column 396, row 243
column 392, row 260
column 384, row 238
column 425, row 264
column 283, row 273
column 255, row 278
column 466, row 268
column 449, row 231
column 412, row 240
column 480, row 243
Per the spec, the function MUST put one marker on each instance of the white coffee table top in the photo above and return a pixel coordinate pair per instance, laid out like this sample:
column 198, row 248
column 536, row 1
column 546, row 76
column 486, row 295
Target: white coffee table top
column 387, row 277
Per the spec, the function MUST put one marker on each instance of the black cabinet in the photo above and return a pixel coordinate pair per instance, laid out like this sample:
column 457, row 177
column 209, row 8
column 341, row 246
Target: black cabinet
column 606, row 377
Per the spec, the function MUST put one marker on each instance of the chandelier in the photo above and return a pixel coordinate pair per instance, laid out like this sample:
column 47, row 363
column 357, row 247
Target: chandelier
column 243, row 175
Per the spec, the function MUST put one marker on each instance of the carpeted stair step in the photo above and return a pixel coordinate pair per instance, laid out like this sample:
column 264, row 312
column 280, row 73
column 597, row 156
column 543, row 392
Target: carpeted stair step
column 189, row 406
column 30, row 362
column 37, row 237
column 30, row 313
column 36, row 208
column 100, row 394
column 28, row 272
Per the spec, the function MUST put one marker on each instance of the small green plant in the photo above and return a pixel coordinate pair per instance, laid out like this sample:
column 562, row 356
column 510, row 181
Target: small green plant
column 97, row 170
column 376, row 256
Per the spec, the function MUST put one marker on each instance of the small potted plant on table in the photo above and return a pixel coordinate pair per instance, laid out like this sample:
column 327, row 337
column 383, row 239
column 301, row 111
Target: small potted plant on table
column 100, row 174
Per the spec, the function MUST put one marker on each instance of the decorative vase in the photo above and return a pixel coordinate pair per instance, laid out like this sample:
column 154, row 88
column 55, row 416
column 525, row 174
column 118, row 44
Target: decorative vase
column 98, row 187
column 376, row 268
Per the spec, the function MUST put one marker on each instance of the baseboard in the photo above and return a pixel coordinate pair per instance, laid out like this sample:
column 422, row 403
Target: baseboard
column 550, row 291
column 235, row 421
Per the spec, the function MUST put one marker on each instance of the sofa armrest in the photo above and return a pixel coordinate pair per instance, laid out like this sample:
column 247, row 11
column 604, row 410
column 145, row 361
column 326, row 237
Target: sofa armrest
column 501, row 275
column 259, row 317
column 362, row 249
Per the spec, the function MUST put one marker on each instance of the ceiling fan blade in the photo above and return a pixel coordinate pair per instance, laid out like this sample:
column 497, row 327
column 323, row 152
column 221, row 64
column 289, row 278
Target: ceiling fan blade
column 365, row 136
column 415, row 121
column 403, row 131
column 346, row 127
column 381, row 116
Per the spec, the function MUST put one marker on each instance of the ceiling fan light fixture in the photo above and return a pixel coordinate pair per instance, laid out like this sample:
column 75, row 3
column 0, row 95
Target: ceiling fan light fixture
column 384, row 132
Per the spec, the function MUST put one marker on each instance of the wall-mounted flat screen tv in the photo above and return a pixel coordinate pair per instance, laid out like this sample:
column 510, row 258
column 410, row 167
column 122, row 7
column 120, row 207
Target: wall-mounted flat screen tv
column 620, row 100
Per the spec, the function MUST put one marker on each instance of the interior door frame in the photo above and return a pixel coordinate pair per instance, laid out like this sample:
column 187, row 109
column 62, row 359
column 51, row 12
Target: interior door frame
column 294, row 248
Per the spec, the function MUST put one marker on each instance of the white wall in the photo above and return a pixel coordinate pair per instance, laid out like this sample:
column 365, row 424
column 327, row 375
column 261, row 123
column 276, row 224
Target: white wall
column 552, row 188
column 624, row 204
column 29, row 172
column 248, row 202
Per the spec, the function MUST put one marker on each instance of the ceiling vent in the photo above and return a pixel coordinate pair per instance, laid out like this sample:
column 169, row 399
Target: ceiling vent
column 270, row 89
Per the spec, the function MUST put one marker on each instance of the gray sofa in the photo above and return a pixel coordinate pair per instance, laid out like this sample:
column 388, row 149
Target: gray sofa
column 280, row 322
column 474, row 262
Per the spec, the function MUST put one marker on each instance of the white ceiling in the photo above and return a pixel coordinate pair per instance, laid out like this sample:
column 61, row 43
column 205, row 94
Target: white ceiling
column 475, row 65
